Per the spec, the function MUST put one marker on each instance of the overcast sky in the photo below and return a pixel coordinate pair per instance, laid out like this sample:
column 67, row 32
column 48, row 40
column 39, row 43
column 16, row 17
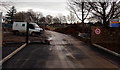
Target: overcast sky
column 52, row 7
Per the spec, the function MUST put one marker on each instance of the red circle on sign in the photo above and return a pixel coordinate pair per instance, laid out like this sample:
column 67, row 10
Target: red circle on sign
column 97, row 31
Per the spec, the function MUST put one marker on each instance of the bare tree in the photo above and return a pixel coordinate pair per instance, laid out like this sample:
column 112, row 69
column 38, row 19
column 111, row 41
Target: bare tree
column 38, row 15
column 56, row 20
column 71, row 18
column 62, row 18
column 101, row 10
column 5, row 5
column 79, row 8
column 20, row 16
column 49, row 19
column 35, row 16
column 31, row 14
column 105, row 10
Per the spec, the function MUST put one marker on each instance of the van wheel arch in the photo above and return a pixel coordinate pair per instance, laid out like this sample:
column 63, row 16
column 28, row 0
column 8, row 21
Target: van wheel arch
column 33, row 34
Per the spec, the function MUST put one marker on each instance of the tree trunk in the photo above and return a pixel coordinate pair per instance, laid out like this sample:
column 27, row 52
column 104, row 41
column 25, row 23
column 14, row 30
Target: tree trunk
column 82, row 13
column 104, row 16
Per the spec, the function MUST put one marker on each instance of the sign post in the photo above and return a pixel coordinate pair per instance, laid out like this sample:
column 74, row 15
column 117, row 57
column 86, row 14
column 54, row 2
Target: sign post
column 27, row 33
column 27, row 28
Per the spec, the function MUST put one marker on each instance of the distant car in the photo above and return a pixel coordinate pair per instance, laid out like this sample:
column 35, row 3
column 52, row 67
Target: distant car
column 20, row 27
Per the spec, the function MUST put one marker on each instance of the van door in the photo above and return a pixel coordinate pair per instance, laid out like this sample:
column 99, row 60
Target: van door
column 31, row 28
column 23, row 27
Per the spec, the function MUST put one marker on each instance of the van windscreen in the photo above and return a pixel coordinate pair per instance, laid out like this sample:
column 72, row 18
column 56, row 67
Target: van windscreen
column 31, row 26
column 36, row 26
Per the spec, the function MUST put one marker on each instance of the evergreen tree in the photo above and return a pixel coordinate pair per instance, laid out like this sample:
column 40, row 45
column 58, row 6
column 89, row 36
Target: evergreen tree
column 10, row 15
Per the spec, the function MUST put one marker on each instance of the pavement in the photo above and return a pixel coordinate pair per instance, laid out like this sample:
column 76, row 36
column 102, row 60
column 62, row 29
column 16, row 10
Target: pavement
column 64, row 51
column 9, row 48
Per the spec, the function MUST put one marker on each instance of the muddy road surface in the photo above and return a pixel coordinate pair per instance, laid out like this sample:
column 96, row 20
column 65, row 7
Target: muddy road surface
column 64, row 51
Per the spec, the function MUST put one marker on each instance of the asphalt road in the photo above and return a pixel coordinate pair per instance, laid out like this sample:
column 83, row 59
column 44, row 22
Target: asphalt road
column 64, row 52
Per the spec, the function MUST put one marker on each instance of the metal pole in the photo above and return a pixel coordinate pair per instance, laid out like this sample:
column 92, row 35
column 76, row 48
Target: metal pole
column 1, row 38
column 27, row 33
column 0, row 29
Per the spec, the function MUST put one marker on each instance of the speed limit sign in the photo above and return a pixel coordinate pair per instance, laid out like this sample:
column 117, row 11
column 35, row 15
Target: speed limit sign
column 97, row 31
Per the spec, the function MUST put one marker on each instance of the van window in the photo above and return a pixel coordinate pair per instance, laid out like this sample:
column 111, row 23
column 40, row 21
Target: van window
column 23, row 25
column 31, row 26
column 16, row 24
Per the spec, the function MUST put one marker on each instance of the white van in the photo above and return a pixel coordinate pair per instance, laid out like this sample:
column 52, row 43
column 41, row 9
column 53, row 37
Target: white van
column 22, row 26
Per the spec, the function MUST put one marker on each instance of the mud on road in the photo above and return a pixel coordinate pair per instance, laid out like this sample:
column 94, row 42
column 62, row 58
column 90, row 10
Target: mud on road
column 10, row 37
column 11, row 42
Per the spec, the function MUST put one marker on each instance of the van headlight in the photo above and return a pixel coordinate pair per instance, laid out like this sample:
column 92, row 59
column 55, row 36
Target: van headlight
column 41, row 29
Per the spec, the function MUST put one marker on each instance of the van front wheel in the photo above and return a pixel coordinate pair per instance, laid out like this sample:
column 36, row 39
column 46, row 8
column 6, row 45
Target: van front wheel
column 33, row 34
